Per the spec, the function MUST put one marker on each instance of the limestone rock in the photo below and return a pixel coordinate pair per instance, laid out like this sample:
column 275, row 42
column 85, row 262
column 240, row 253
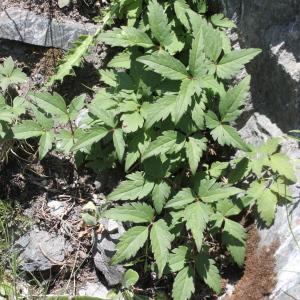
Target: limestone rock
column 25, row 26
column 94, row 289
column 106, row 248
column 273, row 26
column 286, row 228
column 40, row 251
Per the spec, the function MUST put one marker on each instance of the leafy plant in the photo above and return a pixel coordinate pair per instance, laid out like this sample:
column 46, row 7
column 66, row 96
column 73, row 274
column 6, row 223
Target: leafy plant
column 166, row 116
column 10, row 107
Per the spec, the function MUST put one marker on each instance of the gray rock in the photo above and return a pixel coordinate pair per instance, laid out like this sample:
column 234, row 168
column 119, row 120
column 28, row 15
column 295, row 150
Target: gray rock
column 106, row 248
column 57, row 208
column 25, row 26
column 273, row 26
column 112, row 226
column 40, row 251
column 286, row 228
column 94, row 289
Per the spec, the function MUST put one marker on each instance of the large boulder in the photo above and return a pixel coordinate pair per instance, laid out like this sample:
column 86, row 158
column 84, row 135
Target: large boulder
column 273, row 26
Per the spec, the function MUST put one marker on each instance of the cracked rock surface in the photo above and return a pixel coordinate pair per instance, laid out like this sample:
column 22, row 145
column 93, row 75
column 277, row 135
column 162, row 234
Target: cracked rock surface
column 40, row 251
column 273, row 26
column 26, row 26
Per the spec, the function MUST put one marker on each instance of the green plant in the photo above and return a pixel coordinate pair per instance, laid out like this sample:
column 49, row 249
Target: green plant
column 10, row 107
column 166, row 115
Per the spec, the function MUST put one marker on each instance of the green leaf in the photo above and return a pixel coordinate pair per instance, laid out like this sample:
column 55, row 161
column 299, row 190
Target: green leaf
column 135, row 147
column 266, row 201
column 227, row 135
column 184, row 98
column 159, row 110
column 27, row 129
column 183, row 286
column 104, row 115
column 178, row 258
column 239, row 171
column 53, row 104
column 72, row 59
column 132, row 122
column 228, row 207
column 197, row 63
column 89, row 219
column 93, row 136
column 136, row 187
column 196, row 217
column 194, row 151
column 209, row 82
column 216, row 169
column 208, row 271
column 182, row 198
column 134, row 212
column 220, row 20
column 163, row 144
column 234, row 61
column 126, row 37
column 158, row 22
column 266, row 206
column 213, row 42
column 119, row 143
column 9, row 74
column 161, row 240
column 211, row 191
column 233, row 100
column 130, row 278
column 196, row 20
column 45, row 143
column 121, row 60
column 280, row 163
column 181, row 7
column 160, row 194
column 109, row 77
column 130, row 243
column 198, row 111
column 163, row 63
column 233, row 237
column 75, row 106
column 6, row 114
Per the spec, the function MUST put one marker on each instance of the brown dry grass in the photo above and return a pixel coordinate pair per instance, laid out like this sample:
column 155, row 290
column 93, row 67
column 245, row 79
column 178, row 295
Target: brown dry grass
column 259, row 277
